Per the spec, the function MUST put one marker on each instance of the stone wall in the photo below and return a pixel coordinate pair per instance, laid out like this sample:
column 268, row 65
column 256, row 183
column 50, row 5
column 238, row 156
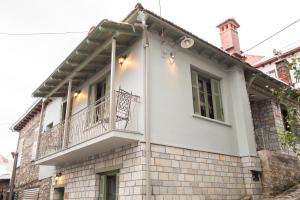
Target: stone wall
column 81, row 181
column 267, row 121
column 27, row 173
column 176, row 173
column 280, row 171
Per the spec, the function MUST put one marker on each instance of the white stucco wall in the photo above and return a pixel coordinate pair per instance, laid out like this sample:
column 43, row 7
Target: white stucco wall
column 52, row 112
column 128, row 77
column 171, row 104
column 46, row 171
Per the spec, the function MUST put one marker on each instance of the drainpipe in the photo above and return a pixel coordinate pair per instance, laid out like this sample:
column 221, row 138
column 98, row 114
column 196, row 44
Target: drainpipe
column 13, row 176
column 142, row 17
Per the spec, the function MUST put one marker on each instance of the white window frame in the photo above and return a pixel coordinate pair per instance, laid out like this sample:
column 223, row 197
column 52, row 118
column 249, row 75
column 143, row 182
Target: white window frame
column 214, row 81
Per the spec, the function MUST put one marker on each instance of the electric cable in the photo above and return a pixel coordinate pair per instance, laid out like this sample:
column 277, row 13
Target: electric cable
column 272, row 35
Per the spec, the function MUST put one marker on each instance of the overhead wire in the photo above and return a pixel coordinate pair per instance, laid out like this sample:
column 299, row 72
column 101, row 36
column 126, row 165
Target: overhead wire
column 42, row 33
column 276, row 33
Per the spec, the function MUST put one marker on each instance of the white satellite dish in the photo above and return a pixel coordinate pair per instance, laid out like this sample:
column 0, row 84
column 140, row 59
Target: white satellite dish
column 186, row 42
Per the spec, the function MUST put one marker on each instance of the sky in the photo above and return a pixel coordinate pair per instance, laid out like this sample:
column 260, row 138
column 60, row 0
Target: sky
column 26, row 61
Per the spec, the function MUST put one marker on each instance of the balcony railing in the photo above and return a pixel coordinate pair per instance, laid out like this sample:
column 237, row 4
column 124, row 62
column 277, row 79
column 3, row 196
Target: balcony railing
column 92, row 122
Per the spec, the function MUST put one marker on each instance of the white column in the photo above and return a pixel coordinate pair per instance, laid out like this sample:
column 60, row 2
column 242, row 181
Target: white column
column 68, row 109
column 242, row 122
column 112, row 112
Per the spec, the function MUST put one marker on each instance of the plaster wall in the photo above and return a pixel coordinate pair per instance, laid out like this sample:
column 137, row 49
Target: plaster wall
column 172, row 119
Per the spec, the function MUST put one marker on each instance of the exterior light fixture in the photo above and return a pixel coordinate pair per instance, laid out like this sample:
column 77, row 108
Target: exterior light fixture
column 172, row 58
column 122, row 59
column 57, row 176
column 187, row 42
column 76, row 93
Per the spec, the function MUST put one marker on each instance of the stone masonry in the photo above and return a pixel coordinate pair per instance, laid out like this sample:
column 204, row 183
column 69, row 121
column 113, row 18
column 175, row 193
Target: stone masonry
column 267, row 121
column 176, row 173
column 280, row 171
column 27, row 172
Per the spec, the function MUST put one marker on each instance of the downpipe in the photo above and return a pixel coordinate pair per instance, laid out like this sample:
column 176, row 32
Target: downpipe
column 142, row 17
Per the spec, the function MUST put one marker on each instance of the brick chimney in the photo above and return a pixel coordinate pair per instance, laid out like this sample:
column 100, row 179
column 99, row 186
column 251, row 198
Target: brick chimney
column 283, row 71
column 229, row 37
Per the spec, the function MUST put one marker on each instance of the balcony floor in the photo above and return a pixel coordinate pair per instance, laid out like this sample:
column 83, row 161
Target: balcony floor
column 77, row 153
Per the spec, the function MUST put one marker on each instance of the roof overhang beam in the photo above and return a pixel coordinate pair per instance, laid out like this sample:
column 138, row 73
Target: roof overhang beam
column 82, row 65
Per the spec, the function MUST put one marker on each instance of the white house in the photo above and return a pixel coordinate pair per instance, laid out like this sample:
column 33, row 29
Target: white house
column 144, row 109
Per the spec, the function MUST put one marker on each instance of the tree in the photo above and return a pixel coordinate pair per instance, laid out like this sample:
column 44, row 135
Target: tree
column 285, row 95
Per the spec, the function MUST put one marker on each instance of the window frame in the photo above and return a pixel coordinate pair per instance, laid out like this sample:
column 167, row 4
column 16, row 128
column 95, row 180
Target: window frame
column 103, row 179
column 214, row 81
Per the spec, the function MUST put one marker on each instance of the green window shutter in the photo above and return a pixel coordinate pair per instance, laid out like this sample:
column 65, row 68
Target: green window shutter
column 195, row 90
column 117, row 186
column 217, row 99
column 103, row 186
column 107, row 89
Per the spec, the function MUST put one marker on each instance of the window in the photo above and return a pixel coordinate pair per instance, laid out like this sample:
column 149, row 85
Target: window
column 49, row 126
column 285, row 117
column 207, row 99
column 109, row 186
column 63, row 111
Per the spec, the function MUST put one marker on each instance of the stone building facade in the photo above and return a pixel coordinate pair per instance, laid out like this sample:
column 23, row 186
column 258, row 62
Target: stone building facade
column 175, row 173
column 268, row 122
column 27, row 172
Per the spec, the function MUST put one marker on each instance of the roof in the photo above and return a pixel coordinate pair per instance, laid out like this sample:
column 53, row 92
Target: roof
column 89, row 57
column 252, row 59
column 229, row 20
column 92, row 53
column 275, row 58
column 33, row 110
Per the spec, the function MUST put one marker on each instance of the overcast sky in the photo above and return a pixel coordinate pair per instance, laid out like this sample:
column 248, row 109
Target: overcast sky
column 26, row 61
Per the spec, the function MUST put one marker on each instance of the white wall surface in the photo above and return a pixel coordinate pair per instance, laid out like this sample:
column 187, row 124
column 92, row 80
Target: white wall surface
column 128, row 77
column 171, row 103
column 52, row 112
column 46, row 171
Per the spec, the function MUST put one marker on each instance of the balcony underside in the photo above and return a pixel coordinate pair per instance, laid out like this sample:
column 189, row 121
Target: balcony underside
column 81, row 151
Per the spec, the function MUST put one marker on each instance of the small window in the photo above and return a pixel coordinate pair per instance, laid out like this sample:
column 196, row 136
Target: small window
column 109, row 186
column 63, row 111
column 49, row 126
column 207, row 99
column 285, row 117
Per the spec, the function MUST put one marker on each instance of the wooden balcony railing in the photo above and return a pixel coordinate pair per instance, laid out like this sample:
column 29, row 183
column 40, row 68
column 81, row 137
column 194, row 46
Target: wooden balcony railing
column 92, row 122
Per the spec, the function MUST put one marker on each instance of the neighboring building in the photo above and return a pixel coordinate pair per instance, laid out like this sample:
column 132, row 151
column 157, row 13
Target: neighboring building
column 32, row 181
column 5, row 174
column 143, row 109
column 277, row 65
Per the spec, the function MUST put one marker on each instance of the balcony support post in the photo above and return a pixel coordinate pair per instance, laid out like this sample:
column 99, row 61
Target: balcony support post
column 112, row 118
column 67, row 118
column 40, row 127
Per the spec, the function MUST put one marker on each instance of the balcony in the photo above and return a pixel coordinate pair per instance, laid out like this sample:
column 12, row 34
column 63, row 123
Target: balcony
column 90, row 130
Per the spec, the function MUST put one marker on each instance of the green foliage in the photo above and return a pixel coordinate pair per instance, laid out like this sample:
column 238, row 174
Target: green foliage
column 289, row 138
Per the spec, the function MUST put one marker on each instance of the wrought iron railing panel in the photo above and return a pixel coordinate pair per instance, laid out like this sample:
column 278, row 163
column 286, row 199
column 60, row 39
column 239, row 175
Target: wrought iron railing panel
column 51, row 140
column 89, row 122
column 93, row 121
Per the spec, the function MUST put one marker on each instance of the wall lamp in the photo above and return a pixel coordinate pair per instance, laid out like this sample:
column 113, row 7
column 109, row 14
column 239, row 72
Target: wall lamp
column 76, row 93
column 57, row 176
column 172, row 58
column 122, row 59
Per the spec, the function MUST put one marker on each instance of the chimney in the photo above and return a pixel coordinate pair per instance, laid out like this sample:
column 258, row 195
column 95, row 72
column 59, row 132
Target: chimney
column 283, row 71
column 229, row 37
